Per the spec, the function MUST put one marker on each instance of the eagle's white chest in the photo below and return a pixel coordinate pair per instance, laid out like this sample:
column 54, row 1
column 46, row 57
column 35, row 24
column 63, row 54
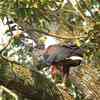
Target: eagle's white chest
column 50, row 41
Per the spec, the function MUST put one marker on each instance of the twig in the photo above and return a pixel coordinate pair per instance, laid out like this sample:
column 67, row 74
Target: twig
column 81, row 14
column 8, row 60
column 55, row 35
column 2, row 88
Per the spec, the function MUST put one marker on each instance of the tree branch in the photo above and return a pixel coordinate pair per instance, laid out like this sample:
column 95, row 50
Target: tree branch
column 55, row 34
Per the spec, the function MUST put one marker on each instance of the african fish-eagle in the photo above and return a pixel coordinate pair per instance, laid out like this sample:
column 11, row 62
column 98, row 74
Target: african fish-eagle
column 66, row 56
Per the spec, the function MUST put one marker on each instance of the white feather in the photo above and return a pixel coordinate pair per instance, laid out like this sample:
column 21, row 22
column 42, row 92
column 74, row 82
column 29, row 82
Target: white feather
column 50, row 41
column 76, row 58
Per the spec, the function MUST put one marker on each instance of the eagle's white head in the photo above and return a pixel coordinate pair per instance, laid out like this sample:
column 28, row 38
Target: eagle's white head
column 49, row 40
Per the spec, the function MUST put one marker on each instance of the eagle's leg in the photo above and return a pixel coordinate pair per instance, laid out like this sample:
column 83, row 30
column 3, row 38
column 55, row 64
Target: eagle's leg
column 65, row 73
column 53, row 71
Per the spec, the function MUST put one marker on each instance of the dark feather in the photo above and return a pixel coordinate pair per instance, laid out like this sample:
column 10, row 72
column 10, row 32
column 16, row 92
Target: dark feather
column 58, row 53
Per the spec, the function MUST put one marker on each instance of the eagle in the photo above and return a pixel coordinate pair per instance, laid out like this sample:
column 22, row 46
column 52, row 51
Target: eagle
column 65, row 56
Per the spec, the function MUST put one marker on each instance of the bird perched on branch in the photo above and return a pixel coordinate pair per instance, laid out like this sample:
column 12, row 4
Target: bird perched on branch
column 66, row 56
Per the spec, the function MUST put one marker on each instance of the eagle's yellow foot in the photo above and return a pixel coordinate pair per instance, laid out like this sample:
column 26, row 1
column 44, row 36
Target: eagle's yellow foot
column 61, row 85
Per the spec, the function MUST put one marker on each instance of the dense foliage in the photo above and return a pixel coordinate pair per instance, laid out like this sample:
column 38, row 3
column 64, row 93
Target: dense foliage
column 67, row 20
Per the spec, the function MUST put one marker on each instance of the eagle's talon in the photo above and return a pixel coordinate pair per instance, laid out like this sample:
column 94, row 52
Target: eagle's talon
column 61, row 85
